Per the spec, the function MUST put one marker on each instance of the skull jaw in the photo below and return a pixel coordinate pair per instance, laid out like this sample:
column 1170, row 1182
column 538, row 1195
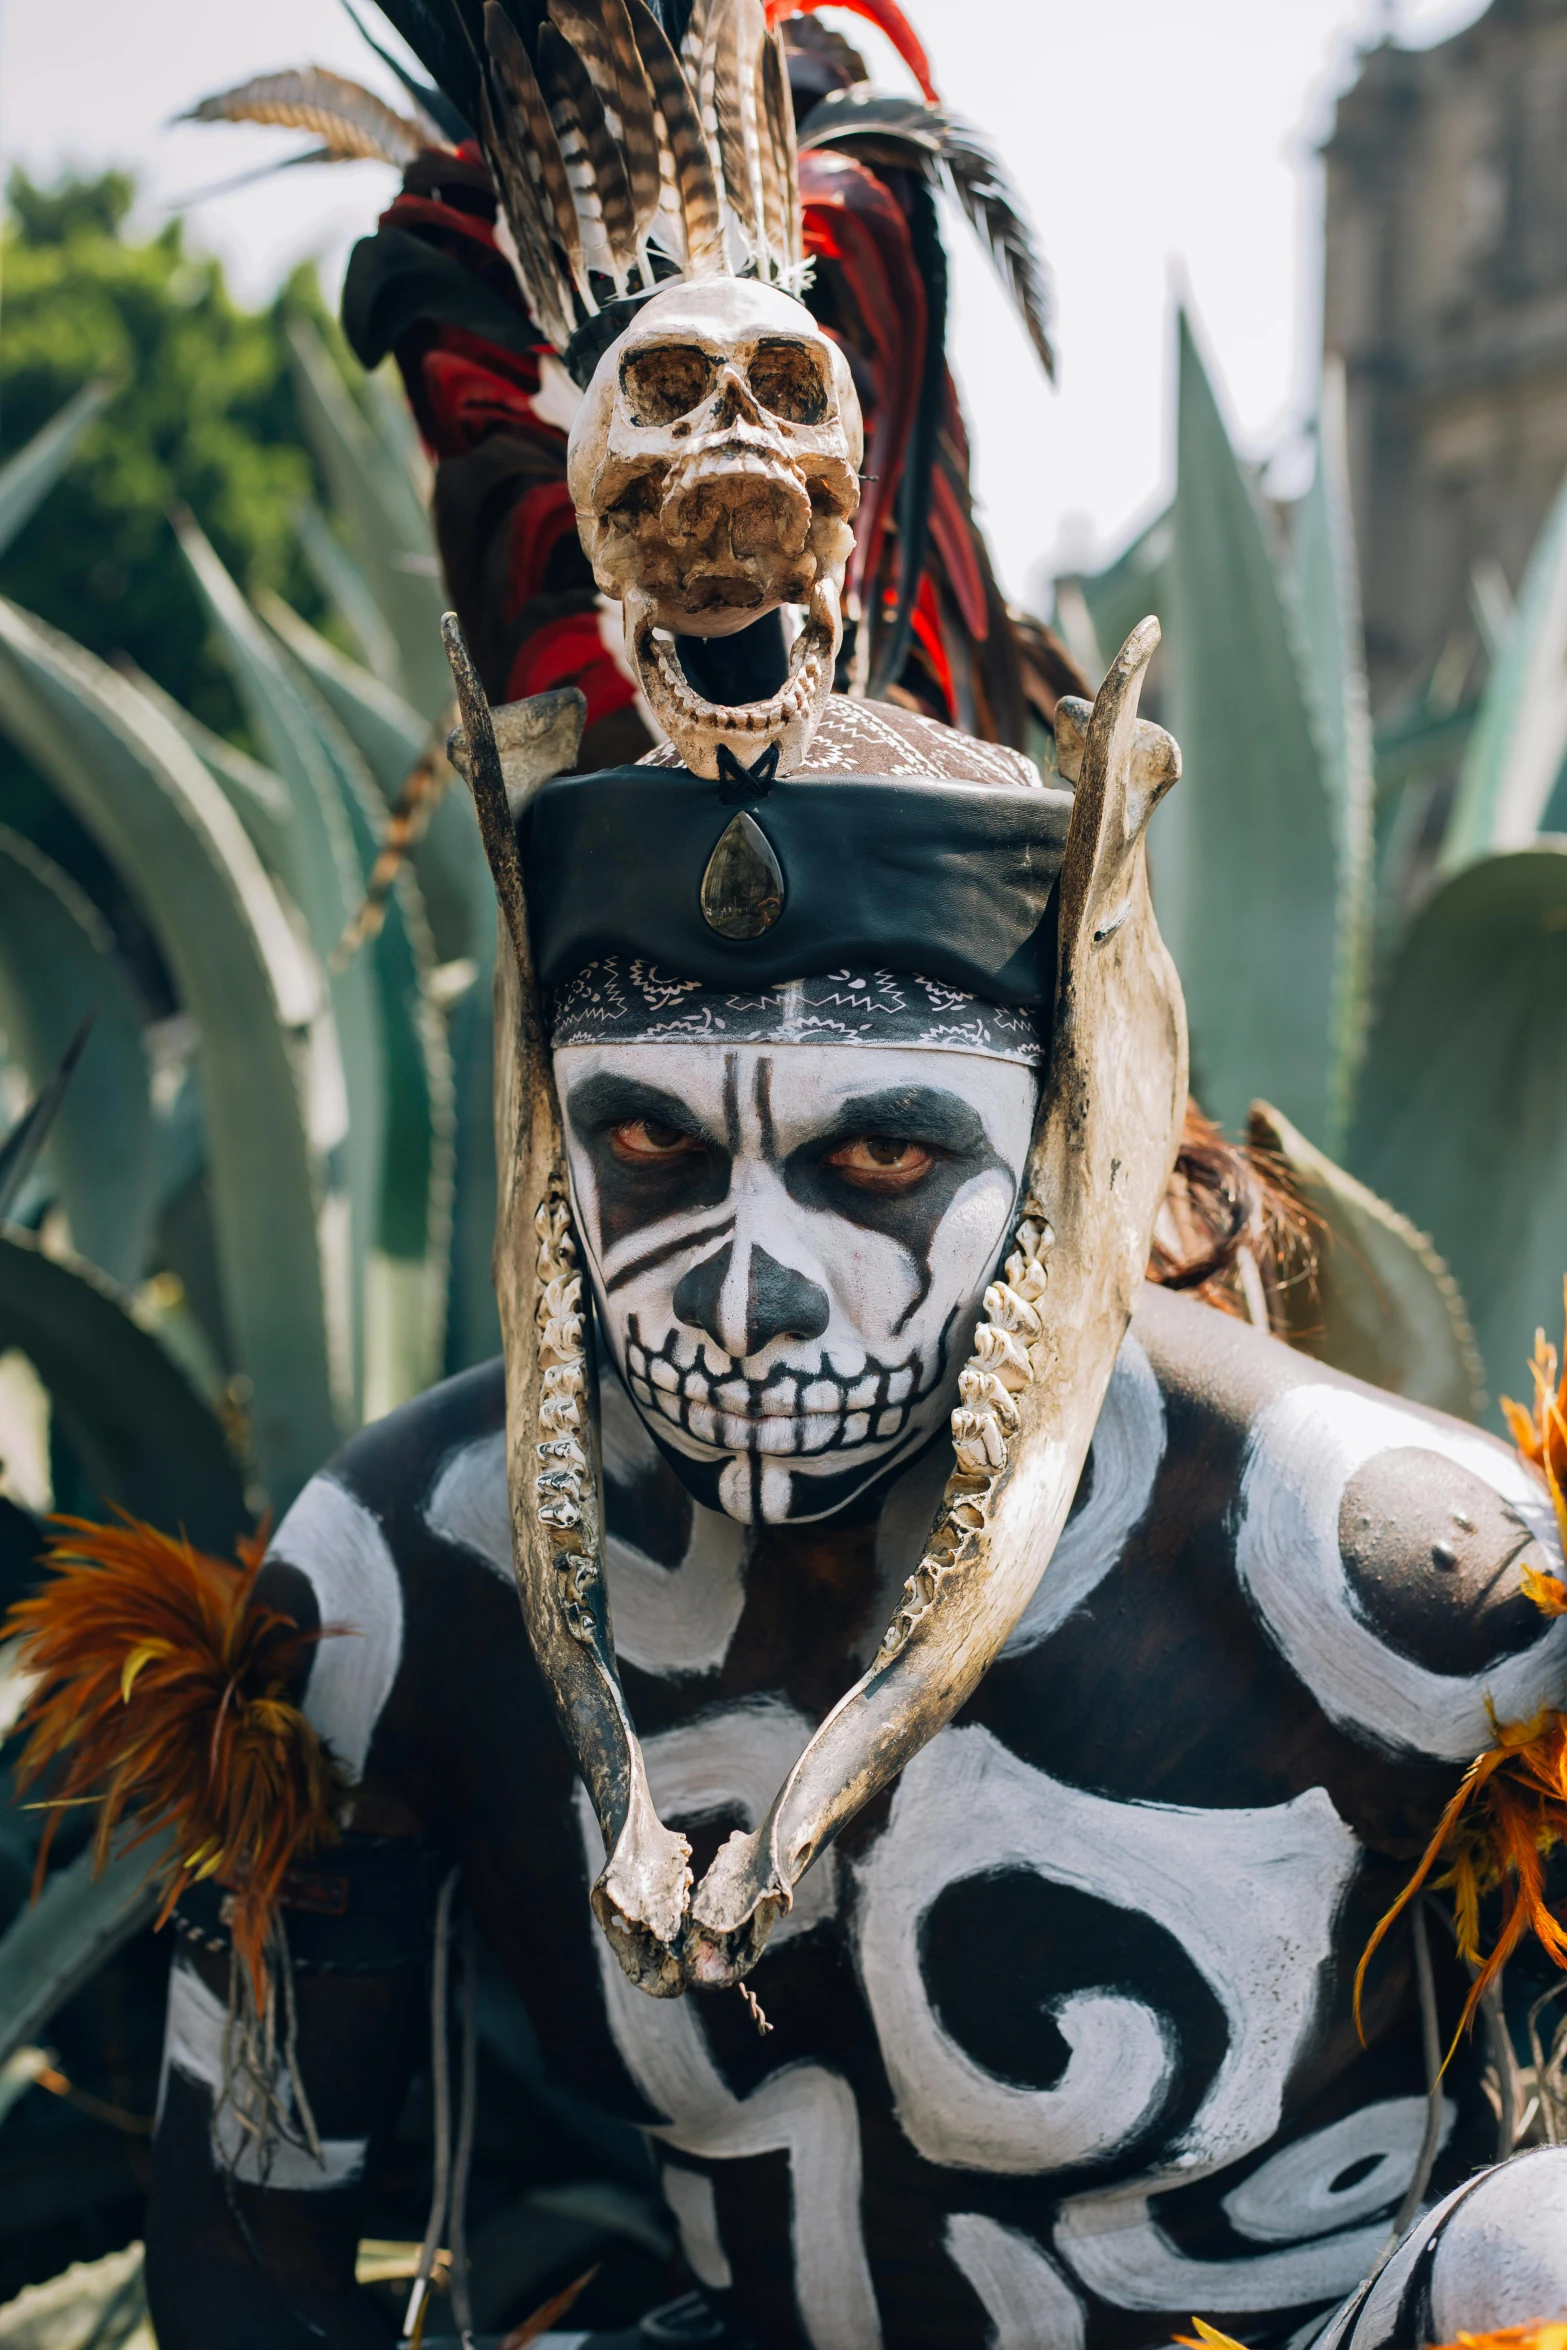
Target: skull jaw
column 699, row 728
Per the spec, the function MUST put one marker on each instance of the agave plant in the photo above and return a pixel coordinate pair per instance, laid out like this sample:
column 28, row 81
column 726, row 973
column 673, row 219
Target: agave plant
column 1402, row 1017
column 333, row 1116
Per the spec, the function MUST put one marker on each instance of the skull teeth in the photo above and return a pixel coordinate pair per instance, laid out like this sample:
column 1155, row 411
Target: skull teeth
column 792, row 700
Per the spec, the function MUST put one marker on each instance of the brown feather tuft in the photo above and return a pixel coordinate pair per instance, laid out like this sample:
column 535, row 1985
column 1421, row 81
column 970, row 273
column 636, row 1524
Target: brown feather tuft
column 351, row 120
column 165, row 1694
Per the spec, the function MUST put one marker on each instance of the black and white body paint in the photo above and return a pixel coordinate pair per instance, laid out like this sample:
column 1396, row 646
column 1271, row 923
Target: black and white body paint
column 1062, row 2047
column 788, row 1246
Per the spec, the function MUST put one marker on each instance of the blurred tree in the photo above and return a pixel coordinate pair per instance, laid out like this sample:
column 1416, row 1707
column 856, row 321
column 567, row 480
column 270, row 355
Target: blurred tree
column 203, row 416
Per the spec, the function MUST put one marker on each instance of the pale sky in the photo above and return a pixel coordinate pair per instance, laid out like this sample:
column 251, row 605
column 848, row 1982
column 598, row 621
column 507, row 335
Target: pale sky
column 1156, row 143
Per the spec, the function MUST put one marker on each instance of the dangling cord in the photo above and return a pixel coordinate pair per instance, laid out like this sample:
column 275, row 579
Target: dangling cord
column 440, row 2067
column 1431, row 2047
column 462, row 2309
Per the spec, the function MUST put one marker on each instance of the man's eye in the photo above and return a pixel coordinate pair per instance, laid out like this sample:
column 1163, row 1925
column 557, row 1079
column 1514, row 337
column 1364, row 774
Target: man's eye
column 881, row 1162
column 650, row 1142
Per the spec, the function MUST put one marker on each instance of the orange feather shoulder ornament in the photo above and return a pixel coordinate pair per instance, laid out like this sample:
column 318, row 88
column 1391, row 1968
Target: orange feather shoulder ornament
column 164, row 1695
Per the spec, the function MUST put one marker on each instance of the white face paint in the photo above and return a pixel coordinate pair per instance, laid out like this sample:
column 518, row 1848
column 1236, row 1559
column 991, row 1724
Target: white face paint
column 788, row 1247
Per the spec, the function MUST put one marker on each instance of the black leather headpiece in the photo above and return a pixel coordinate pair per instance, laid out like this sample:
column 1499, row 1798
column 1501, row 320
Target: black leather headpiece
column 952, row 879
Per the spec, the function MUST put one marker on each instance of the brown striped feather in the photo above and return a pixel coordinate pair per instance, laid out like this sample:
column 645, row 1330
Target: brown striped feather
column 571, row 87
column 778, row 136
column 519, row 83
column 548, row 294
column 688, row 146
column 352, row 122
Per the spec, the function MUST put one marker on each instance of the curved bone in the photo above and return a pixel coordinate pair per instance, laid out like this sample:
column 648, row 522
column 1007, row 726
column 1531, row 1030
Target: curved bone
column 552, row 1466
column 1104, row 1142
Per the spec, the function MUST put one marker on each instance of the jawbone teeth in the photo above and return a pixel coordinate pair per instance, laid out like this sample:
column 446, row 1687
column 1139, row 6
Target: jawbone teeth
column 790, row 701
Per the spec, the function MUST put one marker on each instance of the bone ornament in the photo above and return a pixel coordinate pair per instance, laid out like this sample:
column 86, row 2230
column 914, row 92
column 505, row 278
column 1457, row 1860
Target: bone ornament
column 714, row 465
column 1104, row 1142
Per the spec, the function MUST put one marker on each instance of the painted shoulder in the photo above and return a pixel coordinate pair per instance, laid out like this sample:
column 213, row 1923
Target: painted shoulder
column 1379, row 1542
column 357, row 1550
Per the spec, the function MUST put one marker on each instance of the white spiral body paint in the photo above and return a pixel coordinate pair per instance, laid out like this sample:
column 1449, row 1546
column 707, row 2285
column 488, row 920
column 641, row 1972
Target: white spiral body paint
column 1117, row 2247
column 1128, row 1446
column 1303, row 1449
column 1294, row 2194
column 193, row 2045
column 338, row 1546
column 1250, row 1895
column 668, row 1620
column 807, row 2111
column 1029, row 2303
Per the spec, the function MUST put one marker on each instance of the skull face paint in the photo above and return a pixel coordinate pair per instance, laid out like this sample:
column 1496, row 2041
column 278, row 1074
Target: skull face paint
column 714, row 465
column 788, row 1247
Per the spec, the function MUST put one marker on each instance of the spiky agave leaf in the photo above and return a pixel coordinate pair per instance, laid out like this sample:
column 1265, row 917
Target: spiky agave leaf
column 165, row 1694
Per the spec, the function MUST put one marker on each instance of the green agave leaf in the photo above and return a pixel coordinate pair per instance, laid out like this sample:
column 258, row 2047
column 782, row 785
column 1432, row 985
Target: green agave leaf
column 1135, row 584
column 32, row 473
column 266, row 1053
column 252, row 791
column 1462, row 1114
column 398, row 1145
column 1384, row 1307
column 74, row 1927
column 144, row 1437
column 1245, row 875
column 347, row 590
column 27, row 1137
column 1520, row 732
column 1330, row 639
column 406, row 1275
column 58, row 966
column 324, row 876
column 374, row 493
column 393, row 739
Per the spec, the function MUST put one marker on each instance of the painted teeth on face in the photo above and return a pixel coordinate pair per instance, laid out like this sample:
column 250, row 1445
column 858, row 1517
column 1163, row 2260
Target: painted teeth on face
column 789, row 1412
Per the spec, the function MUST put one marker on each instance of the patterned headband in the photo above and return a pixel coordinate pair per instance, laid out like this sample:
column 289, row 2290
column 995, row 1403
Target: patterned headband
column 624, row 1000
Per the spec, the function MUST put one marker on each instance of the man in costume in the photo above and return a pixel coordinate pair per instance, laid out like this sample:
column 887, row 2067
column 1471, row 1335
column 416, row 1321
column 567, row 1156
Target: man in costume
column 1019, row 1690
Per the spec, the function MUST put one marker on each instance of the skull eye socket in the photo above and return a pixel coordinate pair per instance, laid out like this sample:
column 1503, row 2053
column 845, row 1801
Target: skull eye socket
column 787, row 379
column 666, row 382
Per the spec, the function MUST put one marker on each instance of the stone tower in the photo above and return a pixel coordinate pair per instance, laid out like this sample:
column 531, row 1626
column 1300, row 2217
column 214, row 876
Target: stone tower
column 1445, row 295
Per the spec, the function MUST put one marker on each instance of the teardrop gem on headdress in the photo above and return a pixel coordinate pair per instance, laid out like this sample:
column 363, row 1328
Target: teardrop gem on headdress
column 743, row 887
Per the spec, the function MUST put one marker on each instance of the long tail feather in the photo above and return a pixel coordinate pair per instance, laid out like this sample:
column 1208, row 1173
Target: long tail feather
column 723, row 64
column 549, row 296
column 349, row 119
column 928, row 139
column 545, row 163
column 638, row 135
column 578, row 114
column 698, row 188
column 778, row 142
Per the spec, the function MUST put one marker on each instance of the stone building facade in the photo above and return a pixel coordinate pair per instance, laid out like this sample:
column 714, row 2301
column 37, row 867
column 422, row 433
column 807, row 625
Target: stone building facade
column 1445, row 295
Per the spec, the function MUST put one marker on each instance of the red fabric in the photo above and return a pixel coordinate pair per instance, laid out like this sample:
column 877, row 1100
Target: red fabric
column 886, row 16
column 542, row 518
column 415, row 213
column 471, row 390
column 571, row 651
column 856, row 224
column 952, row 535
column 927, row 635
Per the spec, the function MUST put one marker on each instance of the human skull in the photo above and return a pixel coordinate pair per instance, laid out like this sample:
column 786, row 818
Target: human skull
column 715, row 465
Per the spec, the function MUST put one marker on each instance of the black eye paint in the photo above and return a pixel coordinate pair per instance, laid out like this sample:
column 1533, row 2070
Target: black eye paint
column 940, row 1122
column 633, row 1196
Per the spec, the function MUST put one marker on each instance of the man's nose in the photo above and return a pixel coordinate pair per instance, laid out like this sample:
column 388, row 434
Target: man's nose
column 744, row 1300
